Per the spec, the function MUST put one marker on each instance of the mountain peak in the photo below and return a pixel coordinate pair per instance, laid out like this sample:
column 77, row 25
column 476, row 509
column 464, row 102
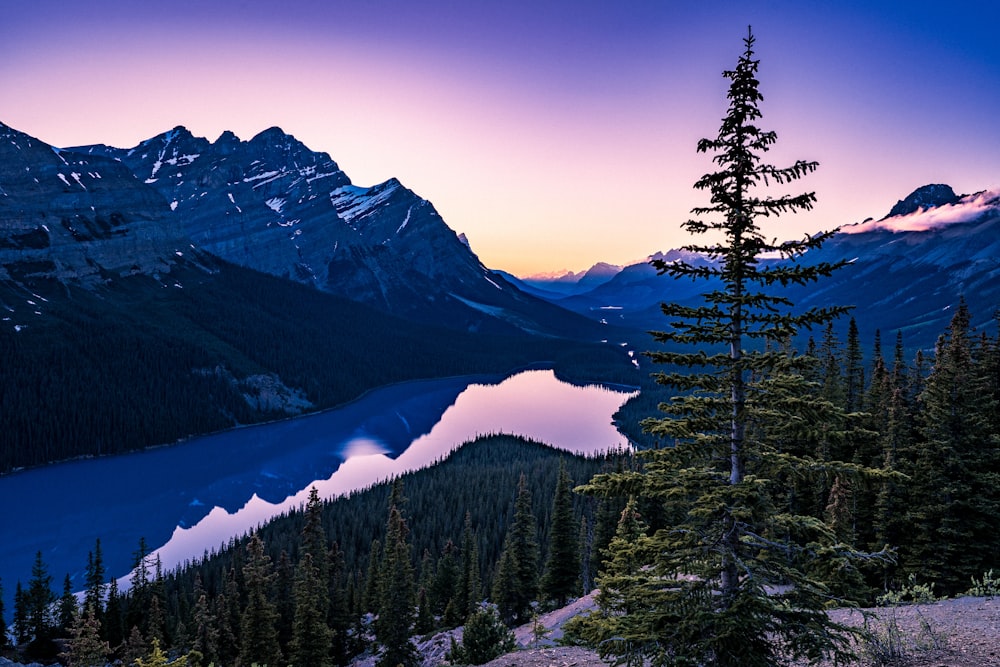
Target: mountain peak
column 270, row 133
column 925, row 197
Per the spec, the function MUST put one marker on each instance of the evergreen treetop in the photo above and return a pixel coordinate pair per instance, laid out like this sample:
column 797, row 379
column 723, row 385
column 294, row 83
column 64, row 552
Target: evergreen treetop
column 734, row 577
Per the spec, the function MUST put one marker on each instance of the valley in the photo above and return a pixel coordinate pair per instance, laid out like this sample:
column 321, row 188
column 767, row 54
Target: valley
column 195, row 335
column 194, row 497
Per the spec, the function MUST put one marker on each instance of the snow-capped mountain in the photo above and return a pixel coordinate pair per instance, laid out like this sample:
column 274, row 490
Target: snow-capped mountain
column 78, row 217
column 276, row 206
column 910, row 269
column 914, row 264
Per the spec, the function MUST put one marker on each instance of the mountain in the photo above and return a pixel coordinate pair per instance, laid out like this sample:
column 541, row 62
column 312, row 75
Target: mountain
column 909, row 270
column 79, row 217
column 117, row 332
column 568, row 283
column 274, row 205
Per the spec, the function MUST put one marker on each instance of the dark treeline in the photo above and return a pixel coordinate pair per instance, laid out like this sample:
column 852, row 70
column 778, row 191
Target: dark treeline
column 140, row 363
column 494, row 520
column 370, row 570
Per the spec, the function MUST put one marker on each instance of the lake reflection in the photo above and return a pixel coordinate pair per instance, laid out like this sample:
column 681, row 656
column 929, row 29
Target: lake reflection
column 191, row 497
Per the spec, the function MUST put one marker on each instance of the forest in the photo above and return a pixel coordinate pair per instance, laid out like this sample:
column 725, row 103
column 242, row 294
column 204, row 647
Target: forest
column 140, row 363
column 322, row 584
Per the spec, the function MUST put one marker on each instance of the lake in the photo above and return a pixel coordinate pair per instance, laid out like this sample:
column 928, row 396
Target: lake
column 189, row 498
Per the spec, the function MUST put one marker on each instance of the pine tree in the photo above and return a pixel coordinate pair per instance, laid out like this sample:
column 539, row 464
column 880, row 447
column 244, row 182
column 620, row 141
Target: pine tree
column 485, row 637
column 157, row 658
column 444, row 592
column 95, row 575
column 313, row 535
column 21, row 614
column 136, row 614
column 627, row 597
column 86, row 648
column 114, row 621
column 134, row 648
column 396, row 612
column 258, row 627
column 467, row 595
column 39, row 597
column 425, row 618
column 953, row 507
column 156, row 616
column 284, row 599
column 585, row 540
column 370, row 595
column 524, row 546
column 227, row 617
column 741, row 404
column 607, row 515
column 854, row 370
column 339, row 619
column 67, row 607
column 504, row 586
column 561, row 578
column 311, row 637
column 206, row 634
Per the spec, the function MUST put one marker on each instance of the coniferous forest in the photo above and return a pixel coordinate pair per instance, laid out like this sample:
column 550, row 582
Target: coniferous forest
column 143, row 364
column 329, row 572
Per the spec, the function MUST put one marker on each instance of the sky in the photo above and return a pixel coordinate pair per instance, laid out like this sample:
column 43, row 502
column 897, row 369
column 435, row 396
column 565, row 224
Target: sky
column 554, row 133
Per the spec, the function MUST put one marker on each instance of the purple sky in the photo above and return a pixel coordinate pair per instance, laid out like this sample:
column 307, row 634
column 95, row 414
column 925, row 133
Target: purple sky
column 554, row 133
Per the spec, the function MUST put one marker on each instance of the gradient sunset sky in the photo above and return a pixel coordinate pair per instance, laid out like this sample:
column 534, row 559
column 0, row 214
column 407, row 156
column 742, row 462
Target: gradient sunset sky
column 554, row 133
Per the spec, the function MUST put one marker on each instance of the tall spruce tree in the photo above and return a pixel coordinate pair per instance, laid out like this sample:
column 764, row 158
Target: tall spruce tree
column 516, row 583
column 726, row 584
column 206, row 634
column 21, row 614
column 561, row 577
column 67, row 607
column 39, row 597
column 626, row 589
column 95, row 575
column 311, row 636
column 467, row 595
column 114, row 619
column 396, row 613
column 258, row 625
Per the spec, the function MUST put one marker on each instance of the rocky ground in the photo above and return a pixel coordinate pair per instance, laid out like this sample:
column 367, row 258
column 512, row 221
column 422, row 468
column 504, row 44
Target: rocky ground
column 962, row 632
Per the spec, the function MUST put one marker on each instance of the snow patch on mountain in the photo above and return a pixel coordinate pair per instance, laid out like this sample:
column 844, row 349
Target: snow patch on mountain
column 967, row 209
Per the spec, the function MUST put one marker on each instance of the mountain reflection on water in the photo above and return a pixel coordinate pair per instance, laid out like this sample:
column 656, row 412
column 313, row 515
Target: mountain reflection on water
column 189, row 498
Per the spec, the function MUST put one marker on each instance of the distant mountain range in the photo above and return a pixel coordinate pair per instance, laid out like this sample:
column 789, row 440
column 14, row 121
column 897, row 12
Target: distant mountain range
column 567, row 283
column 909, row 270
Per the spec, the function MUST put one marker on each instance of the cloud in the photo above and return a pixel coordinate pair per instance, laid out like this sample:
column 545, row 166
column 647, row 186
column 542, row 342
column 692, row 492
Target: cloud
column 966, row 209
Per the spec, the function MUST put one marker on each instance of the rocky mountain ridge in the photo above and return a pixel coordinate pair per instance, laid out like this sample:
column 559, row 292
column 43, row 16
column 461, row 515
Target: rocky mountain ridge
column 82, row 218
column 274, row 205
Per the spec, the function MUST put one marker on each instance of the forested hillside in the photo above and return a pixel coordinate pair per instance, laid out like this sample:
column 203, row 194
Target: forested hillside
column 455, row 534
column 145, row 361
column 457, row 517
